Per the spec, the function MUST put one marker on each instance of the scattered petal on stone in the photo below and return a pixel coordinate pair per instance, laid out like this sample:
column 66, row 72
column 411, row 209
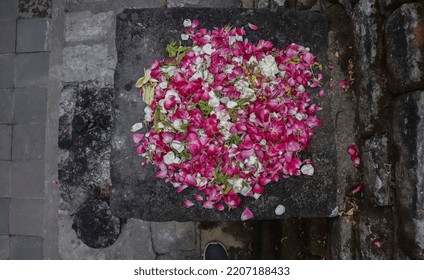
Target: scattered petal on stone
column 137, row 137
column 219, row 207
column 342, row 84
column 321, row 93
column 136, row 127
column 352, row 150
column 187, row 23
column 252, row 26
column 357, row 188
column 378, row 243
column 331, row 87
column 331, row 67
column 307, row 169
column 184, row 37
column 280, row 210
column 247, row 214
column 188, row 203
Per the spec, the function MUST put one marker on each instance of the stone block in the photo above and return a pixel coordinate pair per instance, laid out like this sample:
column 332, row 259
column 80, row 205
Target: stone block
column 4, row 215
column 247, row 4
column 26, row 248
column 405, row 48
column 28, row 142
column 7, row 70
column 87, row 63
column 27, row 179
column 204, row 3
column 82, row 26
column 35, row 8
column 4, row 247
column 305, row 4
column 6, row 105
column 8, row 9
column 30, row 105
column 32, row 69
column 169, row 237
column 26, row 217
column 5, row 178
column 5, row 141
column 32, row 35
column 136, row 191
column 408, row 136
column 7, row 35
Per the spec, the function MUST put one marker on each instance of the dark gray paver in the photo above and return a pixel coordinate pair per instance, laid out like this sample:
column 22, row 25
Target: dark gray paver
column 26, row 248
column 7, row 35
column 26, row 217
column 4, row 247
column 8, row 9
column 32, row 69
column 32, row 35
column 30, row 105
column 6, row 105
column 5, row 178
column 141, row 39
column 7, row 70
column 35, row 8
column 28, row 142
column 4, row 215
column 27, row 179
column 5, row 141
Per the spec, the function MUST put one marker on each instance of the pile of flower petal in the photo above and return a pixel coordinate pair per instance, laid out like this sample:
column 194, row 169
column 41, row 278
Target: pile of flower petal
column 227, row 116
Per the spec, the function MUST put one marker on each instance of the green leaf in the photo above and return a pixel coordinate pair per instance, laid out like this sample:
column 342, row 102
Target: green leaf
column 235, row 139
column 156, row 119
column 171, row 49
column 205, row 107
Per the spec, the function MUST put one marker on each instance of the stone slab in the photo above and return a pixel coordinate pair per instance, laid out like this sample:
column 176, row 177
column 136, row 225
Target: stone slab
column 4, row 215
column 28, row 142
column 29, row 105
column 26, row 248
column 32, row 35
column 7, row 35
column 5, row 178
column 32, row 69
column 26, row 217
column 7, row 70
column 6, row 106
column 4, row 247
column 82, row 26
column 5, row 141
column 141, row 37
column 8, row 9
column 28, row 179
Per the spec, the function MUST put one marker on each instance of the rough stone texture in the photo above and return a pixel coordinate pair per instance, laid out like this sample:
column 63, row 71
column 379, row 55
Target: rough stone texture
column 405, row 48
column 203, row 3
column 136, row 193
column 305, row 4
column 82, row 26
column 85, row 63
column 35, row 8
column 377, row 171
column 408, row 128
column 246, row 4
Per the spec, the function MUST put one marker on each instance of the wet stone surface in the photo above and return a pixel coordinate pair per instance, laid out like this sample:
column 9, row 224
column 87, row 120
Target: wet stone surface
column 141, row 37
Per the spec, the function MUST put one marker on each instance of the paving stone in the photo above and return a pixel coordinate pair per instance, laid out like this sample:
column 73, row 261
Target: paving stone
column 5, row 141
column 405, row 48
column 4, row 247
column 4, row 215
column 142, row 4
column 8, row 9
column 35, row 8
column 26, row 217
column 32, row 69
column 27, row 179
column 82, row 26
column 262, row 4
column 7, row 70
column 32, row 35
column 248, row 4
column 5, row 169
column 169, row 237
column 30, row 105
column 28, row 142
column 7, row 35
column 6, row 106
column 26, row 248
column 204, row 3
column 86, row 63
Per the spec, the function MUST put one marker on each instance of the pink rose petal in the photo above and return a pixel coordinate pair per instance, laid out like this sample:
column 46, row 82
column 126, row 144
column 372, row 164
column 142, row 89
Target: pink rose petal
column 252, row 26
column 188, row 203
column 357, row 188
column 247, row 214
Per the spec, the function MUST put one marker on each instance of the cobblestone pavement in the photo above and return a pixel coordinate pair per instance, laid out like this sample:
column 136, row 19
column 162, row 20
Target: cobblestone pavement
column 47, row 44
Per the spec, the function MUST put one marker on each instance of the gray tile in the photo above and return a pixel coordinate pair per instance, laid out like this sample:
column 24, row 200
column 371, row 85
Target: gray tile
column 28, row 179
column 4, row 215
column 28, row 142
column 26, row 217
column 26, row 248
column 4, row 247
column 8, row 9
column 7, row 35
column 5, row 141
column 7, row 70
column 35, row 8
column 6, row 105
column 29, row 105
column 32, row 35
column 5, row 171
column 32, row 69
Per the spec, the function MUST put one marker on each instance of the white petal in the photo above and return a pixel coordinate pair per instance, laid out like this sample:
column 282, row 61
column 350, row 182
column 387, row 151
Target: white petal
column 231, row 104
column 136, row 127
column 177, row 145
column 280, row 210
column 207, row 48
column 299, row 116
column 307, row 169
column 187, row 23
column 184, row 37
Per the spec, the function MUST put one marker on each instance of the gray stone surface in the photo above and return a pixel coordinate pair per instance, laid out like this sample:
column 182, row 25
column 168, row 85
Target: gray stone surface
column 83, row 26
column 26, row 248
column 408, row 135
column 7, row 35
column 32, row 35
column 204, row 3
column 5, row 178
column 6, row 106
column 305, row 4
column 35, row 8
column 247, row 4
column 4, row 215
column 29, row 105
column 135, row 191
column 28, row 179
column 28, row 142
column 85, row 63
column 4, row 247
column 26, row 217
column 405, row 48
column 8, row 9
column 5, row 141
column 32, row 69
column 7, row 70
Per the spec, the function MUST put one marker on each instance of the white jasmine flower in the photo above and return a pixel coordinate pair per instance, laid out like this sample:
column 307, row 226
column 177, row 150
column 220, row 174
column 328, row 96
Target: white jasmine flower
column 268, row 66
